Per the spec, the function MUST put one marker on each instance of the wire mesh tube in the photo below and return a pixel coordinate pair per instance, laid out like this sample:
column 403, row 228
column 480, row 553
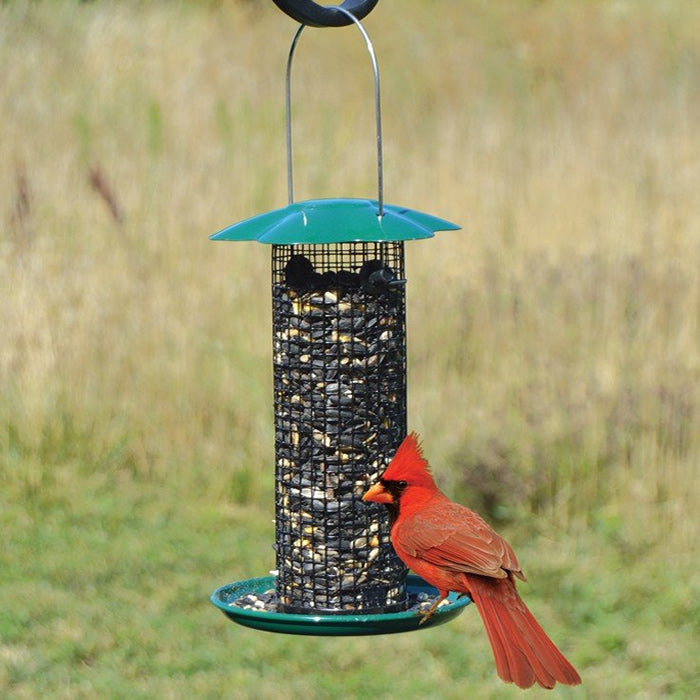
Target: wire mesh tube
column 340, row 413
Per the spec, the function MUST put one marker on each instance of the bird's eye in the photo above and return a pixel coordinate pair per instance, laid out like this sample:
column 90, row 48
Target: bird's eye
column 402, row 484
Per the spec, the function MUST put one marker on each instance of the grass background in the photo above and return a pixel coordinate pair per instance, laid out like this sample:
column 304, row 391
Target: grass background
column 554, row 343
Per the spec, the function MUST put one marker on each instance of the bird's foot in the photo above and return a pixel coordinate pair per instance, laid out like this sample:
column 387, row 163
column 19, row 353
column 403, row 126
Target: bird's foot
column 431, row 610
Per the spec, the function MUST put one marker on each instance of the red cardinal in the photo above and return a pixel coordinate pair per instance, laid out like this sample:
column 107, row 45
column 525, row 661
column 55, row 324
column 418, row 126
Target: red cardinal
column 454, row 549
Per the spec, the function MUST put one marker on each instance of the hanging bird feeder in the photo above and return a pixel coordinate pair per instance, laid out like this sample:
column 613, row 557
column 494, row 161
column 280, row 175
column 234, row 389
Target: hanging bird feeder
column 339, row 360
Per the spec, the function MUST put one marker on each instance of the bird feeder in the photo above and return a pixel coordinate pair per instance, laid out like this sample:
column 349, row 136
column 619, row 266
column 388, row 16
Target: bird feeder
column 339, row 365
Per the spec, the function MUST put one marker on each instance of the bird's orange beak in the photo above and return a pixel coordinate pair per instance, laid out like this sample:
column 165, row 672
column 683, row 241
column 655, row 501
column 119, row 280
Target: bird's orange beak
column 378, row 494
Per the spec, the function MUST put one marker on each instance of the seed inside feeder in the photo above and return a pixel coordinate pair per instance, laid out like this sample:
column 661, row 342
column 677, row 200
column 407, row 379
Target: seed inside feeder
column 339, row 376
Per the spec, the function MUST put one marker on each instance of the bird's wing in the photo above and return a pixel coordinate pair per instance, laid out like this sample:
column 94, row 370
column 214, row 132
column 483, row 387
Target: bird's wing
column 455, row 538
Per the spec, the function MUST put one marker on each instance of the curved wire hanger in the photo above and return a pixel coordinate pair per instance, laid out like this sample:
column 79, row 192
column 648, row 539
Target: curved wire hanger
column 377, row 107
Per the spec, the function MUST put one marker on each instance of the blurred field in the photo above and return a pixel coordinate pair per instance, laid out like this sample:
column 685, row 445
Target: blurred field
column 554, row 343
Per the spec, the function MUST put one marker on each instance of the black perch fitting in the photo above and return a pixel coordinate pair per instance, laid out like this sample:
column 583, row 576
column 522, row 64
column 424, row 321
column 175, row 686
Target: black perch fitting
column 340, row 410
column 315, row 15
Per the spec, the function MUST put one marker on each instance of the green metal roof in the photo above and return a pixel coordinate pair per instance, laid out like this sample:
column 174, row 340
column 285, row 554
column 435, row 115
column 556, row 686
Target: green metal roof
column 335, row 221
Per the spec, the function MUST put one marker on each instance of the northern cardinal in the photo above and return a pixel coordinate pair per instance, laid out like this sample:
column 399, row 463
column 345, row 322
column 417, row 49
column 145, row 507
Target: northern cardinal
column 454, row 549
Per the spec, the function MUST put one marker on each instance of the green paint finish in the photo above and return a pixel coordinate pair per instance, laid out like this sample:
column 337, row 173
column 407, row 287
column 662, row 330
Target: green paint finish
column 332, row 625
column 335, row 221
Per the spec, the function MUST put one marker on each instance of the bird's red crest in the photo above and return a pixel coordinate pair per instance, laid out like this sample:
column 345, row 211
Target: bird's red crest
column 409, row 464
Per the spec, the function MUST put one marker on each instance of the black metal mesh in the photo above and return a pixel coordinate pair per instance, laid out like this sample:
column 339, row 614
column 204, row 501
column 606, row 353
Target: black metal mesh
column 339, row 337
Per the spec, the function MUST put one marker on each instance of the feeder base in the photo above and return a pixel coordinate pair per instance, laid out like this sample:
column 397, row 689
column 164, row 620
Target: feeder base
column 225, row 597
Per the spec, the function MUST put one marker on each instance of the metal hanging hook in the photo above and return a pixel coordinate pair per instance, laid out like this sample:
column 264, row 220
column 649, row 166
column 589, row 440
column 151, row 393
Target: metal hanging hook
column 315, row 15
column 377, row 108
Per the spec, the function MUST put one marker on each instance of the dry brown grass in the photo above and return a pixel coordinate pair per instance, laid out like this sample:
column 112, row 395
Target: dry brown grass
column 555, row 338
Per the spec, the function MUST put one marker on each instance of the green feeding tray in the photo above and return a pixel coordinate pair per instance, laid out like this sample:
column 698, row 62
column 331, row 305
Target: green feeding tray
column 225, row 597
column 335, row 221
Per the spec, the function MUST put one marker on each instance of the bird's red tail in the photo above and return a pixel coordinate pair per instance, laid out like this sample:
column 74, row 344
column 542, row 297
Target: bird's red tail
column 523, row 652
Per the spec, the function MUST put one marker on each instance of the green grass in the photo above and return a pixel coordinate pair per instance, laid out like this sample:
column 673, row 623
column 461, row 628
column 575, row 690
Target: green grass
column 554, row 344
